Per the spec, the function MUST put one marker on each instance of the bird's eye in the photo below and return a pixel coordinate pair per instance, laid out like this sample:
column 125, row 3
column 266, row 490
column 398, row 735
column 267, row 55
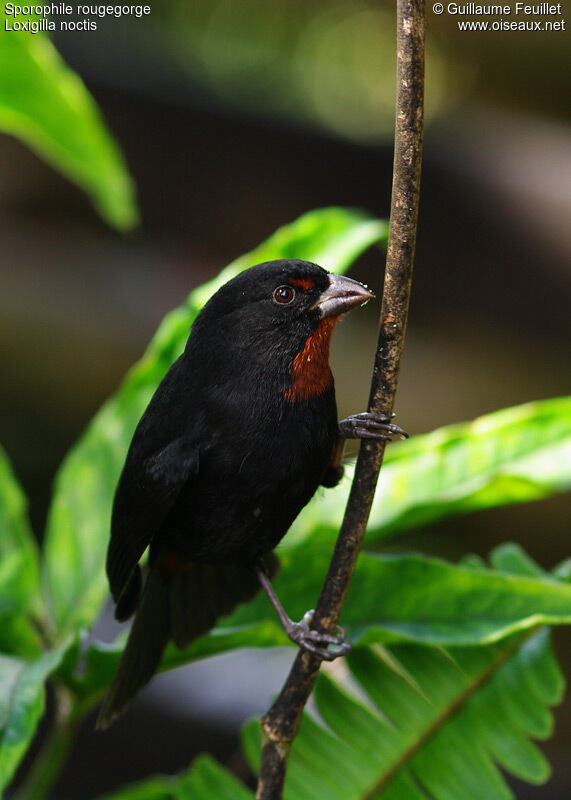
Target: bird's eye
column 284, row 295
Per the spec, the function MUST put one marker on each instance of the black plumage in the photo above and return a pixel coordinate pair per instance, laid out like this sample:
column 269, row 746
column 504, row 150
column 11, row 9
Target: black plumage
column 237, row 438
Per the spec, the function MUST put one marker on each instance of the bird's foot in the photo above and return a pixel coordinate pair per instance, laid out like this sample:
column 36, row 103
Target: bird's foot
column 370, row 426
column 318, row 643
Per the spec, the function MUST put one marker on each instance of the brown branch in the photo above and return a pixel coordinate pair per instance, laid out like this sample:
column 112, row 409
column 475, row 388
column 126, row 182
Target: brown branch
column 281, row 722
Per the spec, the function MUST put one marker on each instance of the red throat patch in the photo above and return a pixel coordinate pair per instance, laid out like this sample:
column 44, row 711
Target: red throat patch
column 310, row 373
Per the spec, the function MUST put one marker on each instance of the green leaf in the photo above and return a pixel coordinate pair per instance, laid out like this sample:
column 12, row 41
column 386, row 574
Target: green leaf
column 78, row 525
column 101, row 659
column 15, row 534
column 19, row 567
column 421, row 599
column 46, row 104
column 161, row 787
column 17, row 633
column 563, row 570
column 413, row 722
column 475, row 711
column 391, row 599
column 511, row 456
column 206, row 780
column 22, row 704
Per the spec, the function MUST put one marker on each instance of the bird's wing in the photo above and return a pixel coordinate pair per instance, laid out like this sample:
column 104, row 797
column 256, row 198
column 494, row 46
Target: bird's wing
column 146, row 493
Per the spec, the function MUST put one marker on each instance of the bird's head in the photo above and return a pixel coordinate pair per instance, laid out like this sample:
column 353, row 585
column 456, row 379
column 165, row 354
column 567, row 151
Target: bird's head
column 282, row 313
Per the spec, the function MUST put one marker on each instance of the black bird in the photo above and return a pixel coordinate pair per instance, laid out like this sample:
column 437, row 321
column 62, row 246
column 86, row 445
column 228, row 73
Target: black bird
column 237, row 438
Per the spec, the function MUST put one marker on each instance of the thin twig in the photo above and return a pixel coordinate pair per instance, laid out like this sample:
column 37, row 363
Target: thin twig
column 281, row 722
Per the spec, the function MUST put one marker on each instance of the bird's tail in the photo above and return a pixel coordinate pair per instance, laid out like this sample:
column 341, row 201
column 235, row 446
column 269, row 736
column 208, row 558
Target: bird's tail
column 180, row 606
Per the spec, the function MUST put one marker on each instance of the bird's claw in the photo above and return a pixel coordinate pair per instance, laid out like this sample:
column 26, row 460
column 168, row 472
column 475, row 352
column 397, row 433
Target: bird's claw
column 318, row 643
column 370, row 426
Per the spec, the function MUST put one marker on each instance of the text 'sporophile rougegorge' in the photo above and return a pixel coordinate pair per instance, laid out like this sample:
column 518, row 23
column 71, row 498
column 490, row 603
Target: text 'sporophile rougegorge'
column 35, row 18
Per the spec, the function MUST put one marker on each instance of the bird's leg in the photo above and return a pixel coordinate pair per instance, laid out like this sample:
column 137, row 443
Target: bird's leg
column 369, row 426
column 300, row 633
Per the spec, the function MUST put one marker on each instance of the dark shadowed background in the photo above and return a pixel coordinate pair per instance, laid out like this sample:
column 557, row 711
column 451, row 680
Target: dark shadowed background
column 236, row 118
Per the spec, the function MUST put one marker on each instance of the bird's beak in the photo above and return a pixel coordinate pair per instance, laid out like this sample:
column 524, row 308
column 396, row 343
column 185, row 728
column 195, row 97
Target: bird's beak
column 341, row 295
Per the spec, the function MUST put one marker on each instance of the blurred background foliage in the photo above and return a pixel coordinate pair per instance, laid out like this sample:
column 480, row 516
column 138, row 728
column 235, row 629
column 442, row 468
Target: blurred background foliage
column 235, row 117
column 328, row 64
